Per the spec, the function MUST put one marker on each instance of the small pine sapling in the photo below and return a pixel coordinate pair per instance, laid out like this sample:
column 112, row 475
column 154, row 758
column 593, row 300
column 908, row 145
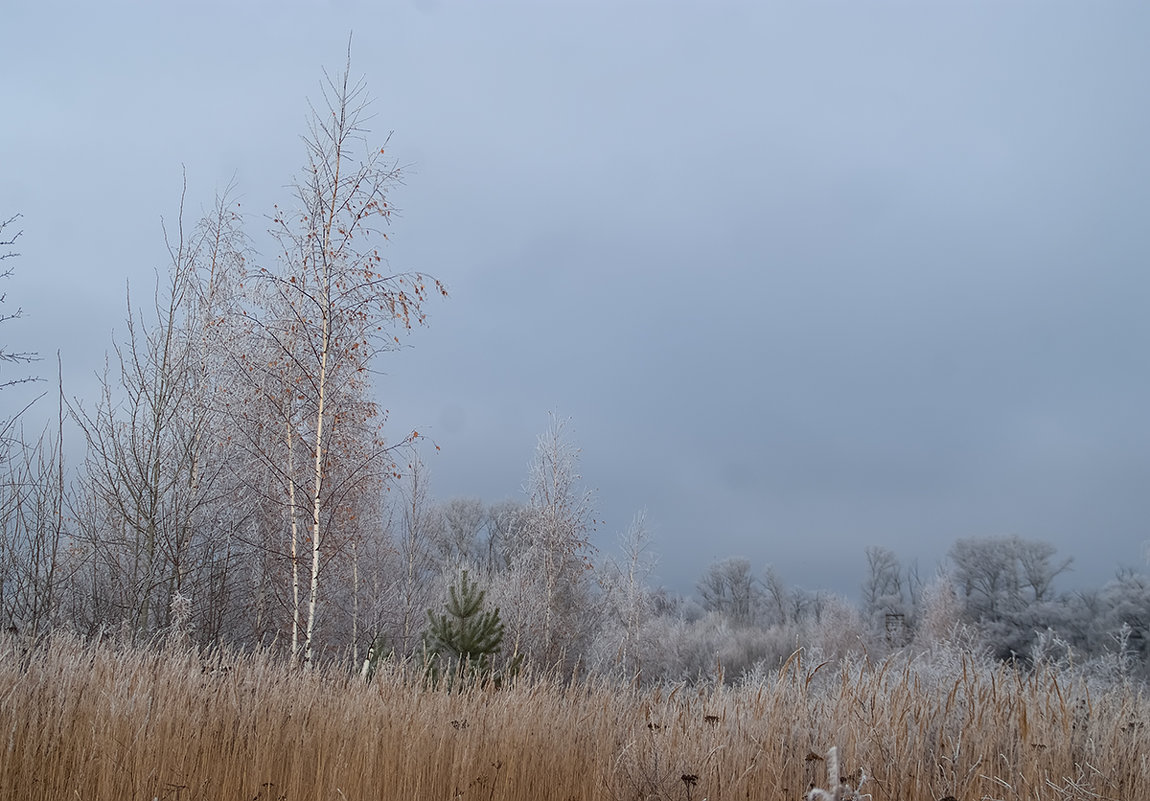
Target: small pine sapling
column 462, row 642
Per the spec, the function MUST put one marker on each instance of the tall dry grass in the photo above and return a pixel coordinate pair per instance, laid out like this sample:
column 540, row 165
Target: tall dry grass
column 95, row 721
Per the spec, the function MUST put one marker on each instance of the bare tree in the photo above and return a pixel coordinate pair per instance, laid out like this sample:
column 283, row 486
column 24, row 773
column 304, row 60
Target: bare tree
column 31, row 496
column 327, row 310
column 778, row 595
column 32, row 534
column 546, row 593
column 1038, row 567
column 1127, row 602
column 506, row 535
column 987, row 574
column 729, row 587
column 628, row 595
column 882, row 590
column 459, row 538
column 993, row 573
column 155, row 470
column 7, row 240
column 412, row 584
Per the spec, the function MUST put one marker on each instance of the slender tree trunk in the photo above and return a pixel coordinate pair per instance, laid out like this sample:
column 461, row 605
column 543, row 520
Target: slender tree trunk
column 295, row 622
column 355, row 602
column 317, row 499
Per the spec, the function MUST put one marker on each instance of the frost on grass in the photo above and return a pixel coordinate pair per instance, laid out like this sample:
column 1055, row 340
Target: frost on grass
column 839, row 787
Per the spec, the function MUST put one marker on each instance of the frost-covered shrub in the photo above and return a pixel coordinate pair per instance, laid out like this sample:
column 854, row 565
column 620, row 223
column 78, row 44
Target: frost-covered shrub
column 836, row 631
column 1050, row 650
column 711, row 647
column 940, row 611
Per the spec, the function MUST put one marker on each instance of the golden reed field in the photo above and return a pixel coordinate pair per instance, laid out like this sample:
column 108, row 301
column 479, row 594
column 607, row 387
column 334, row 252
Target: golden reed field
column 99, row 721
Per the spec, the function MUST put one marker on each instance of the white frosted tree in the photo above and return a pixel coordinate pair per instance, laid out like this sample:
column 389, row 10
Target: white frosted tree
column 459, row 534
column 1127, row 601
column 940, row 614
column 837, row 629
column 884, row 605
column 1039, row 567
column 629, row 601
column 778, row 596
column 506, row 535
column 1000, row 576
column 546, row 593
column 412, row 584
column 154, row 472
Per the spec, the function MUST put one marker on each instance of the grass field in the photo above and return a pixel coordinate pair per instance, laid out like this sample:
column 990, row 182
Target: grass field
column 97, row 721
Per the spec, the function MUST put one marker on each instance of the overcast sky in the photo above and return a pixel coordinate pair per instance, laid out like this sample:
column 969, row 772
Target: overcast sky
column 805, row 277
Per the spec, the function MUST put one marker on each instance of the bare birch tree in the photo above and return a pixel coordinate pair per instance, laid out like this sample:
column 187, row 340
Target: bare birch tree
column 330, row 306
